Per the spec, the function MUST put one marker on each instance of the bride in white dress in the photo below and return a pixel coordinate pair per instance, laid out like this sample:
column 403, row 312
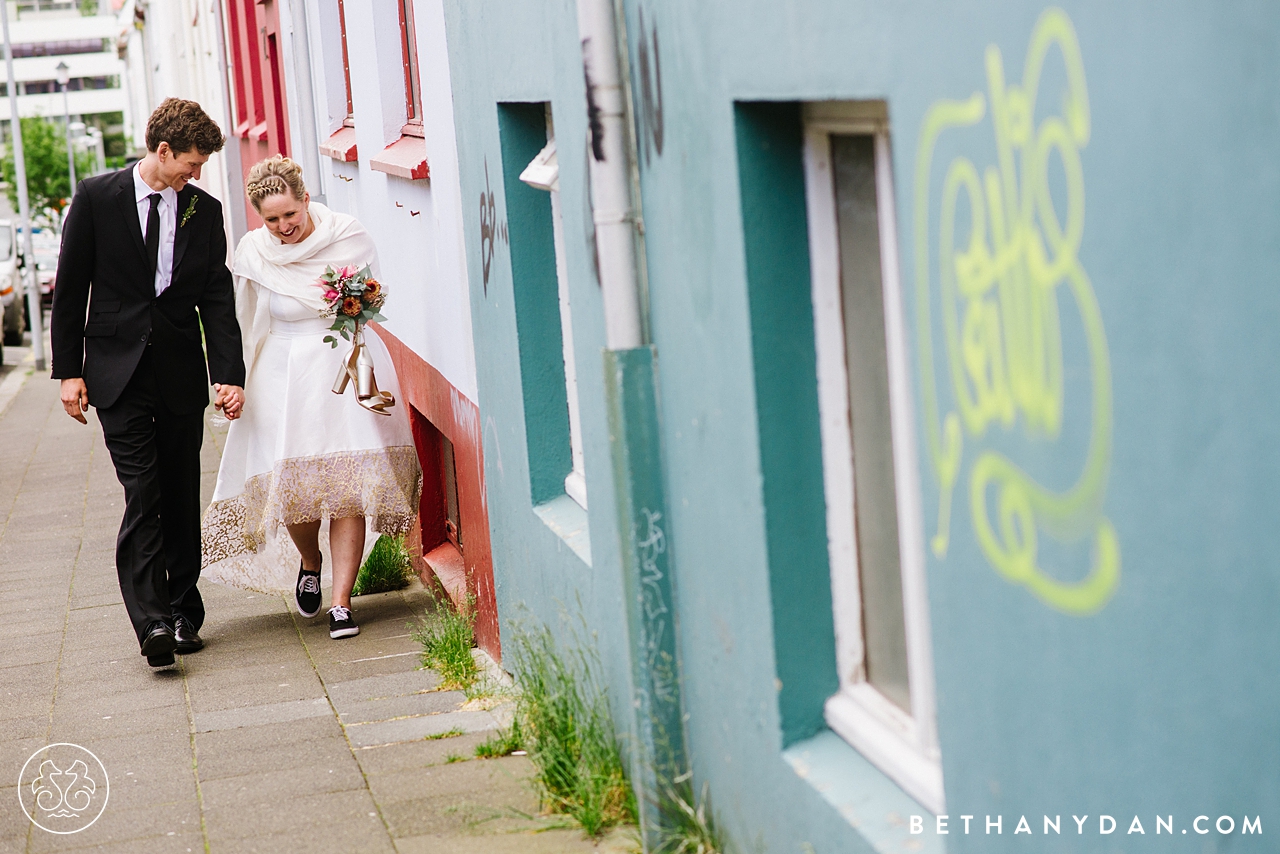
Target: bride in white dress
column 300, row 455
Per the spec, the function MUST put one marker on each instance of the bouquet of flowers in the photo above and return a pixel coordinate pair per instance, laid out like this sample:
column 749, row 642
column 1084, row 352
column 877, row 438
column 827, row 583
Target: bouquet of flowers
column 352, row 298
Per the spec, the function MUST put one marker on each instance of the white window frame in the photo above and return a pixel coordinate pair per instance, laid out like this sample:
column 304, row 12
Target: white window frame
column 543, row 173
column 904, row 746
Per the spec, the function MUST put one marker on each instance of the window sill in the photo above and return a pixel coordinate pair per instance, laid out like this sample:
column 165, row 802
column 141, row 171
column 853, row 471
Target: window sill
column 450, row 570
column 341, row 146
column 886, row 737
column 875, row 807
column 404, row 158
column 568, row 521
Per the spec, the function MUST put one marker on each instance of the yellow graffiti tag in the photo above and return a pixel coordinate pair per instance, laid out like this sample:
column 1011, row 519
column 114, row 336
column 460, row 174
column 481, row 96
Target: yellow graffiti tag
column 999, row 310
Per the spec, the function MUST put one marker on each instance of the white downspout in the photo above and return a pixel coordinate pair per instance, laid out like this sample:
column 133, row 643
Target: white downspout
column 607, row 157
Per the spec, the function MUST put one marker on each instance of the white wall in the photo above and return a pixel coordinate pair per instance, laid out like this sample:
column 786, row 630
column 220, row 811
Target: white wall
column 178, row 55
column 417, row 225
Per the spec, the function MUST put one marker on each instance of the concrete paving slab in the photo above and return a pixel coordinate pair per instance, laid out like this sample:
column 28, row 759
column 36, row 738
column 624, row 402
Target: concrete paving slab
column 271, row 713
column 252, row 790
column 414, row 756
column 376, row 664
column 290, row 688
column 427, row 703
column 417, row 728
column 271, row 747
column 397, row 684
column 117, row 826
column 308, row 816
column 332, row 839
column 170, row 843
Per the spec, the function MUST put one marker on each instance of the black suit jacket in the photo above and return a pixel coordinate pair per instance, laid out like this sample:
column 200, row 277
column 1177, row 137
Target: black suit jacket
column 103, row 267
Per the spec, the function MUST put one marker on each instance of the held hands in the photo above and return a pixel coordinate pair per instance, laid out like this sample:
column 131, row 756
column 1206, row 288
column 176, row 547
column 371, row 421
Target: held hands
column 229, row 399
column 75, row 398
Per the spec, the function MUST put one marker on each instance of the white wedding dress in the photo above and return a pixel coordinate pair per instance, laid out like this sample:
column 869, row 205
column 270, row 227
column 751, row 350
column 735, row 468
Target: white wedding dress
column 299, row 452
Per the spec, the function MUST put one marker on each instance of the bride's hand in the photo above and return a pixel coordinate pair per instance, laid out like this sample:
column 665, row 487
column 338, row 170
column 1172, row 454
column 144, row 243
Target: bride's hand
column 229, row 399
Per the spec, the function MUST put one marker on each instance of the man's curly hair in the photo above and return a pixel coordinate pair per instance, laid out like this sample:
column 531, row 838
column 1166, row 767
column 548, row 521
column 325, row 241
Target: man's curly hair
column 184, row 126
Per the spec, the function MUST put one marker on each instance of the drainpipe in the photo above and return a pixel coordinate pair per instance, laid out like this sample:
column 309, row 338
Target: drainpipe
column 630, row 364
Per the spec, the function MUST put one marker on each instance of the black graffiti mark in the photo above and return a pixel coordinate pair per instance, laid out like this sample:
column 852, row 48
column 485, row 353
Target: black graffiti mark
column 651, row 112
column 595, row 125
column 491, row 231
column 488, row 227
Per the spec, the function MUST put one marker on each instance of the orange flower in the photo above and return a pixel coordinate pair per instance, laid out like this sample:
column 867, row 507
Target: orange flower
column 371, row 290
column 351, row 307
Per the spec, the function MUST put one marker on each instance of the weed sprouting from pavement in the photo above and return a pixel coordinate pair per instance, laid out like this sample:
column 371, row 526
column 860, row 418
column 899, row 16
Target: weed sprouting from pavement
column 503, row 743
column 447, row 638
column 449, row 733
column 567, row 729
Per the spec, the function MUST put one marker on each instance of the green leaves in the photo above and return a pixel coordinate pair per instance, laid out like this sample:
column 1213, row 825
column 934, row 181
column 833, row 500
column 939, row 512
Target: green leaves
column 44, row 147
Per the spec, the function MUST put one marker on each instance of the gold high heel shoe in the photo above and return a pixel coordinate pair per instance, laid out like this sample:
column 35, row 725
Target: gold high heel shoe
column 358, row 368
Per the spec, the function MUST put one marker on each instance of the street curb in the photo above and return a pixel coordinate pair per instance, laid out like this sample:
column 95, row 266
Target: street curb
column 13, row 383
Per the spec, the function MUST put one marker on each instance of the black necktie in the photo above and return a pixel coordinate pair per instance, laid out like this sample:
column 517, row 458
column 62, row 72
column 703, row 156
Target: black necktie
column 153, row 233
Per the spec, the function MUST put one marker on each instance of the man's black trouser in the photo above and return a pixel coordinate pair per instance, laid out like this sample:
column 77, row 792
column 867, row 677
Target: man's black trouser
column 157, row 458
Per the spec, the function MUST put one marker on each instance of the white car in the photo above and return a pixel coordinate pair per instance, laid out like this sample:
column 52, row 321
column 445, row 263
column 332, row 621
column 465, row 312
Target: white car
column 12, row 318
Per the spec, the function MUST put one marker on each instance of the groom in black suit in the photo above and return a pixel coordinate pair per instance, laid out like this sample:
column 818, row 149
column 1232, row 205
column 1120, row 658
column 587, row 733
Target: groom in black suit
column 144, row 252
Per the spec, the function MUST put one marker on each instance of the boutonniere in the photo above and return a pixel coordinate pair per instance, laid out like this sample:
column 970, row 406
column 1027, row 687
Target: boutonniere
column 189, row 212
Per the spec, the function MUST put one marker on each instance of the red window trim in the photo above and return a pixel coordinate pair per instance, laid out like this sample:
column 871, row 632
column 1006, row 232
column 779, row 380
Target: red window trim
column 409, row 59
column 346, row 59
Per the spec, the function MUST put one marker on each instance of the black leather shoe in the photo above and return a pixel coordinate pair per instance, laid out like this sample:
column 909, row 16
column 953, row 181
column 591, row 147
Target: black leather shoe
column 158, row 646
column 185, row 636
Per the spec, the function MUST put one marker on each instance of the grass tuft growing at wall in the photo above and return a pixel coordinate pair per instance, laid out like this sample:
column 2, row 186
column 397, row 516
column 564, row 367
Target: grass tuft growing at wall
column 566, row 728
column 447, row 638
column 386, row 568
column 688, row 824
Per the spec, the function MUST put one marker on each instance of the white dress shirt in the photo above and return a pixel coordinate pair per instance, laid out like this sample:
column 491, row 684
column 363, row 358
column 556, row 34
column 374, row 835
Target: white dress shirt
column 168, row 225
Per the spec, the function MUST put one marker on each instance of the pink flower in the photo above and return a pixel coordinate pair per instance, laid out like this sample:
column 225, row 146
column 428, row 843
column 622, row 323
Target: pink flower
column 346, row 272
column 330, row 295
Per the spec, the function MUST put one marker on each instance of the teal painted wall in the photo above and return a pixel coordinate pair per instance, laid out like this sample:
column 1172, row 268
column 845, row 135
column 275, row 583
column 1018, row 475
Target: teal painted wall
column 1156, row 695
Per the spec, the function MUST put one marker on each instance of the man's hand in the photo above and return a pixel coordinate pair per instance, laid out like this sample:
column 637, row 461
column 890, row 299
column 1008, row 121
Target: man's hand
column 229, row 399
column 75, row 398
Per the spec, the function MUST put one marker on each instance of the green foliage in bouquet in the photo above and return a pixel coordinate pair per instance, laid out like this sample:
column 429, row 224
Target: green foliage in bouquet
column 353, row 298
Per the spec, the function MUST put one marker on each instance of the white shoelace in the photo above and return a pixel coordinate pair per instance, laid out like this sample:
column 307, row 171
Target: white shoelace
column 309, row 584
column 340, row 613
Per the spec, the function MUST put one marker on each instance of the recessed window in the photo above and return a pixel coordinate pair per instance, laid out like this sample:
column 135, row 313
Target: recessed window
column 543, row 173
column 885, row 704
column 543, row 315
column 449, row 471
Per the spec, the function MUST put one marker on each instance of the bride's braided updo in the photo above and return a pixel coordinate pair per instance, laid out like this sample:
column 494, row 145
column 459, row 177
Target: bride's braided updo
column 274, row 176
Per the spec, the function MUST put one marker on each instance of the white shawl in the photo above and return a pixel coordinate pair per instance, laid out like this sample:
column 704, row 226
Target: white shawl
column 264, row 263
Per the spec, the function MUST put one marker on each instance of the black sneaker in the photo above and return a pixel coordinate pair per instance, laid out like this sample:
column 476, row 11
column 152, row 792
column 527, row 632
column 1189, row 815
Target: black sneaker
column 340, row 623
column 306, row 593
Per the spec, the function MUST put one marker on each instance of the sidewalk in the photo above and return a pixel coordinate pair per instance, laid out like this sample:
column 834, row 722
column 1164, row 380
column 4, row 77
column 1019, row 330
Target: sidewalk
column 274, row 738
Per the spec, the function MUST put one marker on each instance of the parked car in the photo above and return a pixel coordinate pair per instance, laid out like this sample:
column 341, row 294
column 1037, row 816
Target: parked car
column 45, row 243
column 12, row 317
